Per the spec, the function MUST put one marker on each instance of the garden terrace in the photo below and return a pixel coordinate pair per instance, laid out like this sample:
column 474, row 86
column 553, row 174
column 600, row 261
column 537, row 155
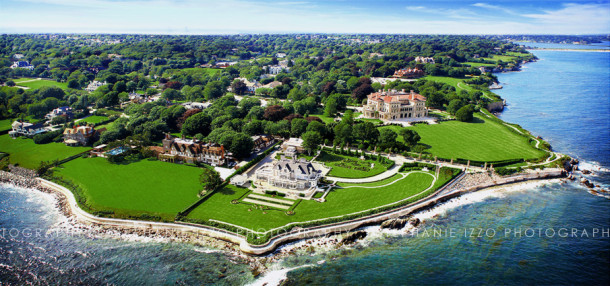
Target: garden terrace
column 35, row 83
column 345, row 166
column 339, row 202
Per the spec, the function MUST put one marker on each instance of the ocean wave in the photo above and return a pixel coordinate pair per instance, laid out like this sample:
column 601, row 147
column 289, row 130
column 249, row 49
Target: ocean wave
column 276, row 276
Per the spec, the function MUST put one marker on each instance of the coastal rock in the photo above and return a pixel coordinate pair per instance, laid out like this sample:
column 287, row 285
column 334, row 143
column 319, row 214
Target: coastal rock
column 394, row 223
column 414, row 222
column 587, row 183
column 354, row 236
column 586, row 172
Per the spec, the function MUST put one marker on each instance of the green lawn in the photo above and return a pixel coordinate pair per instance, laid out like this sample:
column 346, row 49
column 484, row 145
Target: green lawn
column 24, row 152
column 5, row 124
column 350, row 167
column 338, row 202
column 38, row 83
column 458, row 83
column 476, row 65
column 483, row 140
column 326, row 119
column 503, row 58
column 95, row 119
column 144, row 187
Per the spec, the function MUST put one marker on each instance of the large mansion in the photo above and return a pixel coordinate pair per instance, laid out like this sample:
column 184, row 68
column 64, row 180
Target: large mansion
column 191, row 151
column 81, row 135
column 290, row 174
column 395, row 105
column 408, row 73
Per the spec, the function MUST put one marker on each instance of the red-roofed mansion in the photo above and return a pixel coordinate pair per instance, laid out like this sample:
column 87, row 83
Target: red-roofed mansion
column 395, row 105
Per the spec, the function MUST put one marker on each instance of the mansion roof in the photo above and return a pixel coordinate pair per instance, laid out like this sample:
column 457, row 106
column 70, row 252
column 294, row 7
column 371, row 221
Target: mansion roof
column 396, row 96
column 301, row 166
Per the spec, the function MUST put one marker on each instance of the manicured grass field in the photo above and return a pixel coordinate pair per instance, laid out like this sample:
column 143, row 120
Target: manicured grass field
column 338, row 202
column 5, row 124
column 501, row 58
column 350, row 167
column 144, row 187
column 326, row 119
column 95, row 119
column 38, row 83
column 483, row 140
column 458, row 83
column 24, row 152
column 476, row 65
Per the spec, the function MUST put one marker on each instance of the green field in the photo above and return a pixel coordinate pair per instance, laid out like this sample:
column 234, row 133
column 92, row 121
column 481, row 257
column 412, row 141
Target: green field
column 458, row 83
column 144, row 187
column 326, row 119
column 476, row 65
column 38, row 83
column 338, row 202
column 350, row 167
column 503, row 58
column 94, row 119
column 5, row 124
column 24, row 152
column 483, row 140
column 192, row 71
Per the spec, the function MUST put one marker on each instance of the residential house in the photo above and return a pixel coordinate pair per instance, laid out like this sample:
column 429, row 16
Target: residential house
column 26, row 129
column 94, row 85
column 277, row 69
column 191, row 151
column 196, row 105
column 289, row 174
column 395, row 105
column 22, row 65
column 224, row 65
column 262, row 141
column 81, row 135
column 64, row 110
column 424, row 60
column 292, row 147
column 18, row 56
column 280, row 55
column 408, row 73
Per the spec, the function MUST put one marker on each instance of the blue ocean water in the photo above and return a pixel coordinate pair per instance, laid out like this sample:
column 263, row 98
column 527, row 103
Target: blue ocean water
column 564, row 97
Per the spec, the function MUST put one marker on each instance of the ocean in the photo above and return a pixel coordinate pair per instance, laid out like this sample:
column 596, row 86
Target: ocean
column 537, row 233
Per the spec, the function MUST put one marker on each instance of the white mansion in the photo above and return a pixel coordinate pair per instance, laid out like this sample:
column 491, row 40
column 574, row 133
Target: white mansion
column 395, row 105
column 290, row 174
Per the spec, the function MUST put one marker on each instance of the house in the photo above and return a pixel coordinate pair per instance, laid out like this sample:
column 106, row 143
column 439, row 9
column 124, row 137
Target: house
column 196, row 105
column 64, row 110
column 484, row 69
column 424, row 60
column 81, row 135
column 253, row 85
column 395, row 105
column 26, row 129
column 292, row 147
column 224, row 65
column 280, row 55
column 272, row 84
column 276, row 69
column 94, row 85
column 262, row 141
column 408, row 73
column 289, row 174
column 18, row 56
column 22, row 65
column 191, row 151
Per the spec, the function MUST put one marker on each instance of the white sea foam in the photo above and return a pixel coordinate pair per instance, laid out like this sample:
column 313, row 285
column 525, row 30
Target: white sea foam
column 276, row 276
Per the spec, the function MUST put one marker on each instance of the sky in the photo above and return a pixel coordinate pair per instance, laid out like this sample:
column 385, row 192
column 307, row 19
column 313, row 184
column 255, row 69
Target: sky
column 305, row 16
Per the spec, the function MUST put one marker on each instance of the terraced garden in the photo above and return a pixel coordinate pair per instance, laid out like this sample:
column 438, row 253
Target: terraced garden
column 344, row 166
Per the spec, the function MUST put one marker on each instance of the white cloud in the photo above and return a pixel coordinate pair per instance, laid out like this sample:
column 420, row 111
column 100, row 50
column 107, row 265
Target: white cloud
column 493, row 7
column 415, row 8
column 575, row 18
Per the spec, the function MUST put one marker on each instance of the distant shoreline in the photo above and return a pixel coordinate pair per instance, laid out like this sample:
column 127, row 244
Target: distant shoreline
column 571, row 50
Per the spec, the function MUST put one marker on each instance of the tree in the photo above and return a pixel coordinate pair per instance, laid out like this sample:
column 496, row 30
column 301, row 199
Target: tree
column 239, row 87
column 213, row 90
column 198, row 123
column 241, row 145
column 410, row 136
column 454, row 106
column 465, row 113
column 387, row 138
column 298, row 126
column 275, row 112
column 311, row 140
column 330, row 108
column 210, row 179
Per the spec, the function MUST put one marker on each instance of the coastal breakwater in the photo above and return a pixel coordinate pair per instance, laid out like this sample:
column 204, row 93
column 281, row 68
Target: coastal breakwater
column 70, row 207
